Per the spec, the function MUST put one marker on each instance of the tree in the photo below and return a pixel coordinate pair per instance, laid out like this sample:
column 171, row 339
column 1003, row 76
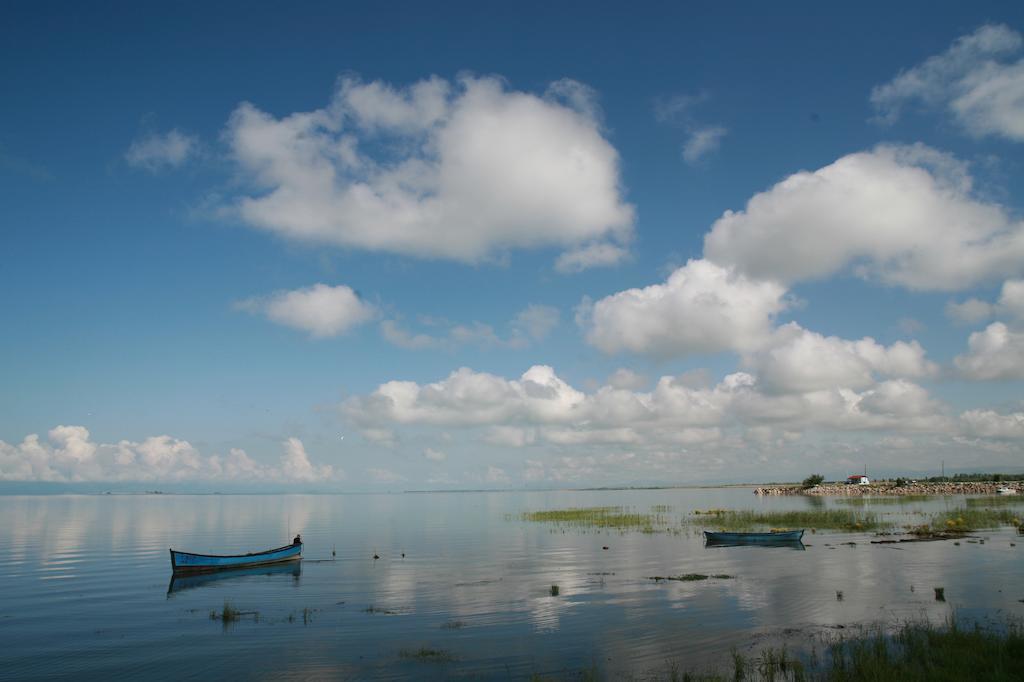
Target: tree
column 813, row 480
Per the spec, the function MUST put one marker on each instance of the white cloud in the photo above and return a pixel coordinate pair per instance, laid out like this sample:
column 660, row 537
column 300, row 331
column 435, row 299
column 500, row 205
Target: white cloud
column 596, row 254
column 903, row 215
column 321, row 310
column 1011, row 301
column 295, row 464
column 800, row 361
column 701, row 142
column 973, row 310
column 984, row 94
column 70, row 456
column 158, row 152
column 701, row 308
column 467, row 397
column 434, row 455
column 993, row 354
column 540, row 410
column 970, row 311
column 461, row 171
column 991, row 424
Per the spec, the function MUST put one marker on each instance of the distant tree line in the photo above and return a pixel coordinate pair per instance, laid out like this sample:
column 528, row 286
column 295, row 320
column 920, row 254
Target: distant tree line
column 974, row 478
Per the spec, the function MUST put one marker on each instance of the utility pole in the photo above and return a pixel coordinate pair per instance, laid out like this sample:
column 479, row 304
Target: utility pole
column 943, row 468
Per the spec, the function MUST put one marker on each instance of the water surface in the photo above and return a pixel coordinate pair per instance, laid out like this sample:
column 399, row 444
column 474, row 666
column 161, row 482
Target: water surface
column 86, row 590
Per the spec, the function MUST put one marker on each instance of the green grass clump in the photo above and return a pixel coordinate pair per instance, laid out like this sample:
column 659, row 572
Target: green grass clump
column 924, row 652
column 834, row 519
column 965, row 519
column 427, row 654
column 914, row 653
column 228, row 614
column 619, row 518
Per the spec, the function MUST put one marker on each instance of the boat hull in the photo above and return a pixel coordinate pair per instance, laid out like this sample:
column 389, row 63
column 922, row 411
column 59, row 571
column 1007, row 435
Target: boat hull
column 186, row 562
column 779, row 537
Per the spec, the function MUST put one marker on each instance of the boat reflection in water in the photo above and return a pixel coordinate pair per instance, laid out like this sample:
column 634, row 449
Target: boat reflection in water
column 790, row 539
column 786, row 544
column 181, row 582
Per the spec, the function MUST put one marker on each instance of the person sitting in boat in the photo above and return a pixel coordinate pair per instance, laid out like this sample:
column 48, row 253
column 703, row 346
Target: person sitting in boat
column 298, row 539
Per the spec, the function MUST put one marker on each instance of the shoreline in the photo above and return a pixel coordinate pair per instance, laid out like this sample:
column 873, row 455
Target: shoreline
column 891, row 489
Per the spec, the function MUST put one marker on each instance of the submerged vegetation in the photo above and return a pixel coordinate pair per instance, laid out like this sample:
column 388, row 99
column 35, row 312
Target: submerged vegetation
column 964, row 519
column 977, row 514
column 832, row 519
column 618, row 518
column 691, row 577
column 624, row 519
column 427, row 654
column 916, row 652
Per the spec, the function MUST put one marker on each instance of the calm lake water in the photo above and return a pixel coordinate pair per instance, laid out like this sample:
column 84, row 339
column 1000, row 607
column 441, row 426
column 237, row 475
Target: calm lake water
column 86, row 591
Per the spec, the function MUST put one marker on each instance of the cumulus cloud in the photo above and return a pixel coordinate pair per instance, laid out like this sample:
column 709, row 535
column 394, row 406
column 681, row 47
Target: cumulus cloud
column 798, row 361
column 321, row 310
column 973, row 310
column 69, row 455
column 903, row 215
column 460, row 171
column 975, row 80
column 995, row 353
column 541, row 409
column 156, row 152
column 992, row 424
column 702, row 307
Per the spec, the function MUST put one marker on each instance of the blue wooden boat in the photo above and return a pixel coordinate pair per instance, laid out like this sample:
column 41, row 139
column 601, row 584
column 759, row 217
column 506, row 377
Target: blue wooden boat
column 186, row 562
column 769, row 537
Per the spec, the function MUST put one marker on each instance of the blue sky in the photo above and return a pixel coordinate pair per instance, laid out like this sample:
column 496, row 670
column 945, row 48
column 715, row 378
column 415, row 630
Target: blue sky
column 528, row 166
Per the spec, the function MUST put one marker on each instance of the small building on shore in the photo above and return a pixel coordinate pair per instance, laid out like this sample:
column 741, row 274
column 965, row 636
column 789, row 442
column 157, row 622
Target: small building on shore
column 858, row 479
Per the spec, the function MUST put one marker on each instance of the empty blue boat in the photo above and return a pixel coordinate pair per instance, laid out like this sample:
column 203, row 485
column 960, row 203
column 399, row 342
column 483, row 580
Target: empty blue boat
column 186, row 562
column 766, row 538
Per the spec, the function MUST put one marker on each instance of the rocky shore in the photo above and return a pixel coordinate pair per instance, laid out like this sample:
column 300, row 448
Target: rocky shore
column 887, row 488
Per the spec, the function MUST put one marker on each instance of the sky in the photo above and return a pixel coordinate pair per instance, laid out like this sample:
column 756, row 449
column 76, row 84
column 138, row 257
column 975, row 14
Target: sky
column 367, row 247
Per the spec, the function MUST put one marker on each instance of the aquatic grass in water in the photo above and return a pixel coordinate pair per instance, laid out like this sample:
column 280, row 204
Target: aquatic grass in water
column 833, row 519
column 228, row 614
column 618, row 518
column 914, row 653
column 427, row 654
column 965, row 519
